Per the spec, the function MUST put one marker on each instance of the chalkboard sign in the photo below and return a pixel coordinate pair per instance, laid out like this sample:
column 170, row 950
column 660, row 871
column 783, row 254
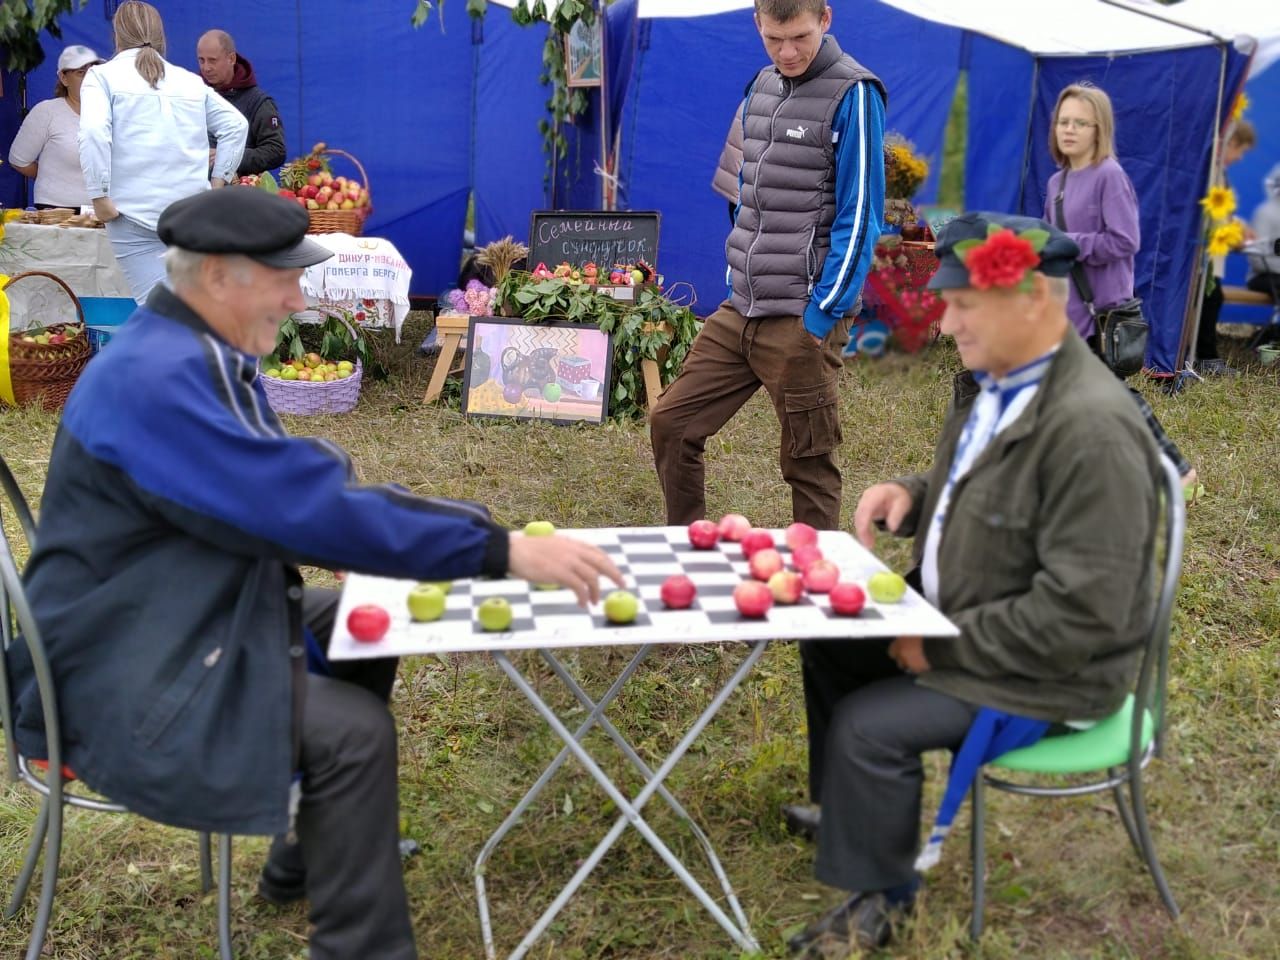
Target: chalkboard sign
column 602, row 237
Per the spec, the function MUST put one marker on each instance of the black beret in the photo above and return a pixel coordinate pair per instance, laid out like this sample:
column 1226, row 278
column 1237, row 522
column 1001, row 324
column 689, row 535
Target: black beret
column 1056, row 251
column 244, row 220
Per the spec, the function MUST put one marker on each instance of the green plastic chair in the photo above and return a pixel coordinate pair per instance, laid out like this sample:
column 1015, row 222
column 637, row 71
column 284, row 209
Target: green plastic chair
column 1115, row 750
column 51, row 781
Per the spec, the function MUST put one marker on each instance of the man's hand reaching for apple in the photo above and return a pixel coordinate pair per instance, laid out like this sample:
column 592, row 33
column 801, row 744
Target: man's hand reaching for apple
column 564, row 561
column 888, row 502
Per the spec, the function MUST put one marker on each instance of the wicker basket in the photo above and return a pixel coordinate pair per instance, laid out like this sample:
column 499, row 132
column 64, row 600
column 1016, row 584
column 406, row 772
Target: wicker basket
column 45, row 373
column 304, row 398
column 342, row 221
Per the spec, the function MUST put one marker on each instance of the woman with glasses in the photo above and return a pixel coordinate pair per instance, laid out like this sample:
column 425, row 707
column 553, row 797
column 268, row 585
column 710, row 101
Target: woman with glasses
column 45, row 148
column 1092, row 200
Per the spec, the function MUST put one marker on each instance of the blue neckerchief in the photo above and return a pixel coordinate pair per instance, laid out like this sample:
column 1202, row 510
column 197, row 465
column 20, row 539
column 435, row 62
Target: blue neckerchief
column 991, row 734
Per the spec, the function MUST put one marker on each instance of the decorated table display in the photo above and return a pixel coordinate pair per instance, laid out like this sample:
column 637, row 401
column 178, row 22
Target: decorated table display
column 80, row 256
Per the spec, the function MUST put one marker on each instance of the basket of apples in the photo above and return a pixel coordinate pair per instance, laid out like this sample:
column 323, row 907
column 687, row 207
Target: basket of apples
column 45, row 362
column 335, row 204
column 308, row 383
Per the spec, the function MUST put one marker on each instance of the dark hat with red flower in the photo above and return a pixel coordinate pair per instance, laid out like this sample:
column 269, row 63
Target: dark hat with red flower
column 988, row 251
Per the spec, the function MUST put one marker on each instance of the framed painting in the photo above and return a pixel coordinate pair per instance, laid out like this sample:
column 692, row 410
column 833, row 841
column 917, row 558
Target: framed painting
column 583, row 55
column 536, row 371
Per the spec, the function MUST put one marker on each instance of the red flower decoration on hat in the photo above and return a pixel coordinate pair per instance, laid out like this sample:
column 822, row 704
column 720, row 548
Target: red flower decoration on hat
column 1005, row 259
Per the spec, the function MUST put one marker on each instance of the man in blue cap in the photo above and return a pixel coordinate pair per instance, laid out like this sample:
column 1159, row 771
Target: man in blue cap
column 165, row 581
column 1034, row 533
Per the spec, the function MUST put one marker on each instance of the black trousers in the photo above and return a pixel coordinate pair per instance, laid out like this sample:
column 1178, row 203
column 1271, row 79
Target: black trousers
column 1207, row 335
column 869, row 723
column 348, row 824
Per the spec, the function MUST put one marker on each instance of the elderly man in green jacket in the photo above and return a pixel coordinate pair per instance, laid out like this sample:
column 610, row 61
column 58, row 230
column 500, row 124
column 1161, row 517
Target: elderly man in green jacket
column 1034, row 532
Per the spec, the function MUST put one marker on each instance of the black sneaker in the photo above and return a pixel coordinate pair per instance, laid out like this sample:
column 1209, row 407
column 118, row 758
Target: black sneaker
column 281, row 889
column 802, row 821
column 864, row 921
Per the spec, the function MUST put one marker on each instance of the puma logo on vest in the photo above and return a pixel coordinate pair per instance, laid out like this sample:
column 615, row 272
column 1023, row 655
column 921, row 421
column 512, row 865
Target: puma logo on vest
column 797, row 133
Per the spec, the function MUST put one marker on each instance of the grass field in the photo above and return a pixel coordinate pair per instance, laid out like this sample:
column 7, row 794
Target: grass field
column 1063, row 881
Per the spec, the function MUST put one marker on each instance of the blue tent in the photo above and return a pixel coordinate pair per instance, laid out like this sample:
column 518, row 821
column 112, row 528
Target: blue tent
column 452, row 110
column 690, row 69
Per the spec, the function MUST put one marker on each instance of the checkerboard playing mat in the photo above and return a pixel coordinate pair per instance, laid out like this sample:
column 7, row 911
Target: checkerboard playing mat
column 646, row 556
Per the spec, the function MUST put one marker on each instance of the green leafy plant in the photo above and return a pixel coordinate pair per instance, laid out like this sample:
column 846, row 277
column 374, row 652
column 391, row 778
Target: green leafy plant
column 332, row 340
column 21, row 22
column 564, row 103
column 650, row 327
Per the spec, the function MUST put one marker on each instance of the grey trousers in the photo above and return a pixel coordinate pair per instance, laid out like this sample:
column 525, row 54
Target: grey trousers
column 348, row 822
column 869, row 723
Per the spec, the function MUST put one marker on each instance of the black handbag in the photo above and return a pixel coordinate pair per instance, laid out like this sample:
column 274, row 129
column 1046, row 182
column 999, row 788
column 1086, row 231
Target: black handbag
column 1122, row 329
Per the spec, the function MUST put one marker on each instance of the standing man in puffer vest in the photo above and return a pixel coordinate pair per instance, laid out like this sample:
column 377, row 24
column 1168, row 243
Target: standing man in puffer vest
column 809, row 215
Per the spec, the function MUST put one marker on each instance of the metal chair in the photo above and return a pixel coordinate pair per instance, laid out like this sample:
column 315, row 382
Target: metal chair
column 1115, row 750
column 50, row 779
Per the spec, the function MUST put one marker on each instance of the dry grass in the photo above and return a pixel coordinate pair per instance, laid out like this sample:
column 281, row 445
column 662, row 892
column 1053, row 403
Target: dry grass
column 1063, row 882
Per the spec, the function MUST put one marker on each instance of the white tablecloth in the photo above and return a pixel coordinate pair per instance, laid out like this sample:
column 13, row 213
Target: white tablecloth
column 78, row 255
column 366, row 276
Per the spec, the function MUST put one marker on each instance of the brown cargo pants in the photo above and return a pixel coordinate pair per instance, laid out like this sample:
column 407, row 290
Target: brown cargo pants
column 732, row 358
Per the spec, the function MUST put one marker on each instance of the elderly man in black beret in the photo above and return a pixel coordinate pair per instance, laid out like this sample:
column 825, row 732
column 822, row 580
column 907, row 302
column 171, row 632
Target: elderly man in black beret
column 1034, row 534
column 165, row 580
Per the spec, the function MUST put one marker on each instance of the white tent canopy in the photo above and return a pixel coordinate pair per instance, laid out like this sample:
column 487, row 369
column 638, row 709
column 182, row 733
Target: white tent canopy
column 1242, row 21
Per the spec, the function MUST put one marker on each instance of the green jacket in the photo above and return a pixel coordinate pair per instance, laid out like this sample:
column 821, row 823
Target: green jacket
column 1046, row 561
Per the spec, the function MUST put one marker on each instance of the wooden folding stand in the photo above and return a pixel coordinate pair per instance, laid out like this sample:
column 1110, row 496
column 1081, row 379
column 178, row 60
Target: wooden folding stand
column 450, row 328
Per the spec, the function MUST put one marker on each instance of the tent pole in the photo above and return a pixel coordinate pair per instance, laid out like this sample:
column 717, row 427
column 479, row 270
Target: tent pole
column 1195, row 305
column 607, row 199
column 1026, row 141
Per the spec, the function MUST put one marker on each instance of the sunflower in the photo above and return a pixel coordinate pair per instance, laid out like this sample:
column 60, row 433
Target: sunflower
column 1220, row 203
column 1239, row 107
column 1225, row 238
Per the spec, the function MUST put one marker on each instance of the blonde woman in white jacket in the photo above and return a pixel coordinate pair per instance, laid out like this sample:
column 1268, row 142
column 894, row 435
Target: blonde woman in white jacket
column 144, row 141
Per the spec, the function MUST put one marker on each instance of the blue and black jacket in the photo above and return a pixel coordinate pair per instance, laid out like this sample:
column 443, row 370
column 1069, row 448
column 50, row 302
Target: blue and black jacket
column 165, row 581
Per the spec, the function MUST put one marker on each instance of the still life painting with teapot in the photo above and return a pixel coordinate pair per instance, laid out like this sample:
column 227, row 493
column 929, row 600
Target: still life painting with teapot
column 545, row 371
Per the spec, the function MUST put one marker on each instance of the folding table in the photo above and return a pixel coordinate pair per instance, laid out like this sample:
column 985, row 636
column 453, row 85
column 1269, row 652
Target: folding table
column 547, row 620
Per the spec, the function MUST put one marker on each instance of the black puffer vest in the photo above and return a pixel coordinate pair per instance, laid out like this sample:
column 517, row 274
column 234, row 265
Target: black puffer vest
column 783, row 232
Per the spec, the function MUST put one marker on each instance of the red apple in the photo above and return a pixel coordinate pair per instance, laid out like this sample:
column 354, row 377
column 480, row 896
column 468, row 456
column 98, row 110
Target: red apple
column 703, row 534
column 785, row 586
column 733, row 526
column 756, row 539
column 678, row 592
column 821, row 576
column 752, row 598
column 848, row 599
column 802, row 557
column 801, row 535
column 368, row 623
column 765, row 563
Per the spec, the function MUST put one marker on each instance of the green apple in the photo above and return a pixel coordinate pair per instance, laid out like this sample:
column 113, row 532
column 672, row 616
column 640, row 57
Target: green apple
column 1192, row 492
column 551, row 392
column 444, row 585
column 426, row 602
column 621, row 606
column 539, row 528
column 886, row 587
column 289, row 373
column 494, row 613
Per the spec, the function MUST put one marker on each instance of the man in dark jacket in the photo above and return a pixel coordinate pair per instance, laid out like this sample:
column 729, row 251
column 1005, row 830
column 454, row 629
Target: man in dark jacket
column 165, row 581
column 1034, row 533
column 232, row 76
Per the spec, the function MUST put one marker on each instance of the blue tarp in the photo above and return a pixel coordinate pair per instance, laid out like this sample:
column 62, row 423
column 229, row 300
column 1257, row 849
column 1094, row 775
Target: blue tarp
column 437, row 115
column 1246, row 176
column 401, row 103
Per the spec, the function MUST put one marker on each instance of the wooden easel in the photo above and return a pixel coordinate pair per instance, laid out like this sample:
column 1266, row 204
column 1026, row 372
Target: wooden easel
column 450, row 328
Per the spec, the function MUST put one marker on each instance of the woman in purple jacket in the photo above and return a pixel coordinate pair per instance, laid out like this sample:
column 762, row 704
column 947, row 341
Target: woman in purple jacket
column 1092, row 200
